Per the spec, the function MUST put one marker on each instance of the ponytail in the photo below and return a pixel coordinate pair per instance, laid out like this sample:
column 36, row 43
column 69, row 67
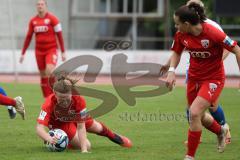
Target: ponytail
column 198, row 9
column 192, row 13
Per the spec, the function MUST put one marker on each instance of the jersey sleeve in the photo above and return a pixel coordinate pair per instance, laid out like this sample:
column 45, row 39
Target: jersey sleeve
column 45, row 112
column 81, row 107
column 56, row 24
column 28, row 37
column 213, row 23
column 223, row 39
column 177, row 46
column 58, row 30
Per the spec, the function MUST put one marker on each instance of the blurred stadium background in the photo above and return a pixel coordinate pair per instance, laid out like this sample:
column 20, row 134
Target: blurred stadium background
column 88, row 24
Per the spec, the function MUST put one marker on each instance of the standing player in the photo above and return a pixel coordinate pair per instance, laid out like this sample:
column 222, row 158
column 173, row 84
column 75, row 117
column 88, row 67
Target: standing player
column 17, row 103
column 62, row 105
column 46, row 28
column 215, row 110
column 205, row 44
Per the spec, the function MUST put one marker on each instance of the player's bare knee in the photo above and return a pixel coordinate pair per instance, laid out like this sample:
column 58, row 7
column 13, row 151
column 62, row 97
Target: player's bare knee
column 49, row 69
column 96, row 127
column 194, row 114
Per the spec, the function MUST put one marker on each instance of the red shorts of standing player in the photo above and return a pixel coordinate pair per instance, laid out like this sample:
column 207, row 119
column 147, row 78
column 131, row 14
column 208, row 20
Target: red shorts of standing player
column 68, row 112
column 47, row 30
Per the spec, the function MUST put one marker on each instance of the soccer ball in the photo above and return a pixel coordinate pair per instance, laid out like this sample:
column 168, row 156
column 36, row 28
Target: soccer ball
column 62, row 142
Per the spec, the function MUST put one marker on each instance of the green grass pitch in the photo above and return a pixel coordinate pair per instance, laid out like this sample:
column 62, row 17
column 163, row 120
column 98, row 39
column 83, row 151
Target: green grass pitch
column 156, row 126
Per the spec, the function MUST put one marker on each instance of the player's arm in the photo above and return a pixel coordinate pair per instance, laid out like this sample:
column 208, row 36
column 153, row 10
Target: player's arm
column 228, row 44
column 225, row 54
column 82, row 135
column 171, row 77
column 27, row 41
column 177, row 48
column 61, row 42
column 43, row 122
column 236, row 51
column 165, row 67
column 58, row 30
column 43, row 134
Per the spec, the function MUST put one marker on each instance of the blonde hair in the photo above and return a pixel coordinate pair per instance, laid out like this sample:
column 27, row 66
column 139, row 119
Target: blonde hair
column 45, row 1
column 64, row 85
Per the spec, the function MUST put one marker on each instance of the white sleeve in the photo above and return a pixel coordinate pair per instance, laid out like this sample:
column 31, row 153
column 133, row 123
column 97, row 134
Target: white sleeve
column 42, row 115
column 213, row 23
column 58, row 28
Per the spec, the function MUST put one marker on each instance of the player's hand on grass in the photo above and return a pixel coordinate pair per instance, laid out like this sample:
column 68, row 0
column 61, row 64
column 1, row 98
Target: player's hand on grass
column 164, row 69
column 171, row 79
column 64, row 57
column 21, row 59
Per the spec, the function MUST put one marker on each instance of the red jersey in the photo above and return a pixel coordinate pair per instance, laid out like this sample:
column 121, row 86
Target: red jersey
column 52, row 115
column 205, row 52
column 45, row 30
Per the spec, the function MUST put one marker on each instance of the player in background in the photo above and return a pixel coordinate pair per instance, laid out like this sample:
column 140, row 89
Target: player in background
column 206, row 75
column 62, row 104
column 11, row 109
column 216, row 109
column 17, row 103
column 46, row 28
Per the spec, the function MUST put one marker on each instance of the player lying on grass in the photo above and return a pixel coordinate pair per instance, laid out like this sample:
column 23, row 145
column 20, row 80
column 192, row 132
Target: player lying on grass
column 16, row 103
column 215, row 110
column 62, row 106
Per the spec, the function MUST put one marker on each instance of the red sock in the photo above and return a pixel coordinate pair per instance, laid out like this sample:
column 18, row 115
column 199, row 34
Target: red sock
column 4, row 100
column 46, row 88
column 106, row 132
column 215, row 128
column 193, row 142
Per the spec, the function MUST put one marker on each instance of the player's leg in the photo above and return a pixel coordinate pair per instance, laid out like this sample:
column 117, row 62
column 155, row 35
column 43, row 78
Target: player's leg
column 196, row 111
column 210, row 91
column 192, row 89
column 17, row 103
column 99, row 128
column 51, row 62
column 4, row 100
column 11, row 109
column 40, row 58
column 218, row 114
column 199, row 100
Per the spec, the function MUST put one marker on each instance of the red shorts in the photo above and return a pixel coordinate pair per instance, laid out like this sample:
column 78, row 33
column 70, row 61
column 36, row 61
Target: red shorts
column 71, row 127
column 48, row 57
column 209, row 90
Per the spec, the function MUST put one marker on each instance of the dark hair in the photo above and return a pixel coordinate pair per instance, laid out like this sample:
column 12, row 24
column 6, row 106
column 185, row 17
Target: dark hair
column 192, row 13
column 64, row 85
